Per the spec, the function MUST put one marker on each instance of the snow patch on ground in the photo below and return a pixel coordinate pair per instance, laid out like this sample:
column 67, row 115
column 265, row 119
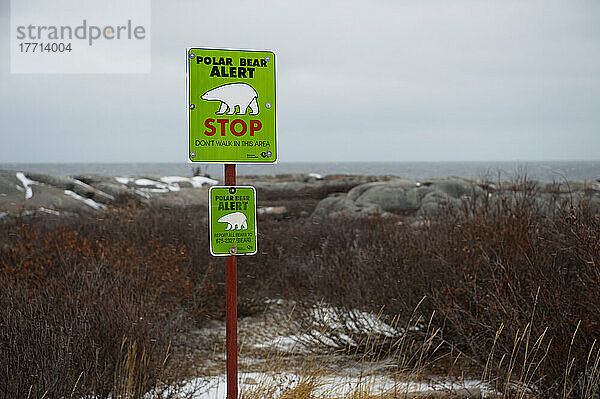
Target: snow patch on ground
column 354, row 321
column 87, row 187
column 265, row 374
column 26, row 184
column 166, row 184
column 330, row 386
column 123, row 180
column 148, row 182
column 290, row 343
column 151, row 186
column 155, row 190
column 48, row 211
column 31, row 212
column 142, row 194
column 268, row 209
column 195, row 181
column 88, row 201
column 343, row 325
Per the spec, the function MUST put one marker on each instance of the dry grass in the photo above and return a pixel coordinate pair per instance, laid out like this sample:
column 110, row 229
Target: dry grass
column 344, row 375
column 276, row 372
column 500, row 291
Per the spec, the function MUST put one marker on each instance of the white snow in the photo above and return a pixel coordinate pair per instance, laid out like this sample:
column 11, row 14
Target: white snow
column 50, row 211
column 301, row 344
column 148, row 182
column 123, row 180
column 155, row 190
column 265, row 209
column 26, row 183
column 290, row 343
column 195, row 181
column 324, row 379
column 329, row 386
column 166, row 183
column 174, row 179
column 315, row 175
column 151, row 186
column 33, row 212
column 88, row 201
column 92, row 189
column 142, row 194
column 342, row 325
column 354, row 321
column 199, row 181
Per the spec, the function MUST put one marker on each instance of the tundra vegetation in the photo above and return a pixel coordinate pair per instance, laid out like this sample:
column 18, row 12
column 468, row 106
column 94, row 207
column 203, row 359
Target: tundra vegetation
column 105, row 304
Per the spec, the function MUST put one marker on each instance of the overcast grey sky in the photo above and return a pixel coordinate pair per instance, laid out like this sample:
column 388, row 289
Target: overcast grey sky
column 423, row 80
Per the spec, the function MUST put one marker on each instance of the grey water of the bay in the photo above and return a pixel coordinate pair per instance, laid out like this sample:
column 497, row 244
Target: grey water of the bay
column 543, row 171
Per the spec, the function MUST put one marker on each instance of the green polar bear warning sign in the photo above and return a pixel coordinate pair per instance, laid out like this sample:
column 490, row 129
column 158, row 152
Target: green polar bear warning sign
column 232, row 216
column 231, row 106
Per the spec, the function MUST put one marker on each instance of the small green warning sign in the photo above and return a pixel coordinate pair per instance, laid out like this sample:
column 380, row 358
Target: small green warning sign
column 232, row 216
column 231, row 106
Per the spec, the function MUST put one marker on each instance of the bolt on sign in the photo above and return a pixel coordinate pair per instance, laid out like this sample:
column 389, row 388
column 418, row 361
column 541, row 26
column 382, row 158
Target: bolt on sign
column 232, row 216
column 231, row 106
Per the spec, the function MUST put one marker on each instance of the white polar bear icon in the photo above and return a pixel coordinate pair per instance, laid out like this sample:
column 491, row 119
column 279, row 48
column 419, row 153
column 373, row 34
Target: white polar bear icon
column 235, row 221
column 231, row 95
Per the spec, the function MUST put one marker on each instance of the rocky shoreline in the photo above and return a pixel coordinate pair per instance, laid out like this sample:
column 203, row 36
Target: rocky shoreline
column 23, row 193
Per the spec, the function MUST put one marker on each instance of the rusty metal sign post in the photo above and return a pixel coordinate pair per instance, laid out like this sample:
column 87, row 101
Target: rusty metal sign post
column 231, row 308
column 232, row 119
column 233, row 231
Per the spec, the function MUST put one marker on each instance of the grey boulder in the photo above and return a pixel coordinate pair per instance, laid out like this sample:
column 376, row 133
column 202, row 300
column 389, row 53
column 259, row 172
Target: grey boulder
column 340, row 205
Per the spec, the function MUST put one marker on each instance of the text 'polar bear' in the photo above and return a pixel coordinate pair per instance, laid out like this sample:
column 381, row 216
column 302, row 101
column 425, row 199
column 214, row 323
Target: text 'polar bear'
column 231, row 95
